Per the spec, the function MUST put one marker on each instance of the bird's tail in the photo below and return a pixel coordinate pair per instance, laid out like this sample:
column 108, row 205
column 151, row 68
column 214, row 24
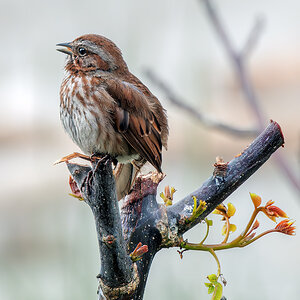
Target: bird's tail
column 125, row 175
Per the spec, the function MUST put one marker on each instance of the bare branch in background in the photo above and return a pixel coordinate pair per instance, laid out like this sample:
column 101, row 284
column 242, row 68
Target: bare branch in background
column 253, row 37
column 238, row 62
column 207, row 122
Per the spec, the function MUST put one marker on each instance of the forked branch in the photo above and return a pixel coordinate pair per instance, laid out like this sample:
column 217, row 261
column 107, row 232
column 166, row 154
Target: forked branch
column 143, row 220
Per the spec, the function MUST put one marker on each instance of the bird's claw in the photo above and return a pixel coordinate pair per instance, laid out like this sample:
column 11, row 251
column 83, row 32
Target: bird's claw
column 66, row 159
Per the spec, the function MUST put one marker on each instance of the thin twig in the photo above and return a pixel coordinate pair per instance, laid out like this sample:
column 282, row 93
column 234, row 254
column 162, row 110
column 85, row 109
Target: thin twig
column 213, row 253
column 236, row 60
column 253, row 37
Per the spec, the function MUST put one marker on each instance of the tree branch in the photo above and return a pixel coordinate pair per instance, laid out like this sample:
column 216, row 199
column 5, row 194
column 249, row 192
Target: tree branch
column 217, row 188
column 118, row 275
column 139, row 214
column 143, row 220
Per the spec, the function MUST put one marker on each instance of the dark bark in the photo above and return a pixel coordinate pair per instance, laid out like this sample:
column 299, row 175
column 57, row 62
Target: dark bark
column 217, row 188
column 98, row 190
column 143, row 220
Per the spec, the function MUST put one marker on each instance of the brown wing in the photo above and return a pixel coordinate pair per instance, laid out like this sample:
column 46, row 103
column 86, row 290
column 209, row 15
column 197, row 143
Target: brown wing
column 136, row 122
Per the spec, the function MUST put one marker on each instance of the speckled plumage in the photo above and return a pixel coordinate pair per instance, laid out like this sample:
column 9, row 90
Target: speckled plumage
column 106, row 109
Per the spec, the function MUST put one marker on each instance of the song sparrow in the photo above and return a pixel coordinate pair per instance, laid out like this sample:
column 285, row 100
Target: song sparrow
column 107, row 110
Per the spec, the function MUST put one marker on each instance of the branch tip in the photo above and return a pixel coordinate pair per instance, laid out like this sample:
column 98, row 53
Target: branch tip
column 280, row 130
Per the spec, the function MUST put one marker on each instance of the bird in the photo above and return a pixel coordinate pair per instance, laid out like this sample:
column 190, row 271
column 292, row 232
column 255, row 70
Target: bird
column 105, row 109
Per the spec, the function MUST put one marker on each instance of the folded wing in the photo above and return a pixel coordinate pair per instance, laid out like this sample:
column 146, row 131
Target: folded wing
column 135, row 120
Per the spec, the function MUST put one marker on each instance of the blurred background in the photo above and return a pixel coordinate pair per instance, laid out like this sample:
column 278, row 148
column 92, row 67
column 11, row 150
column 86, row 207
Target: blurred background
column 48, row 246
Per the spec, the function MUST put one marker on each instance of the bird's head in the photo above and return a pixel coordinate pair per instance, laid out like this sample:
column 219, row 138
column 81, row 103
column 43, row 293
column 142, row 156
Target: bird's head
column 92, row 52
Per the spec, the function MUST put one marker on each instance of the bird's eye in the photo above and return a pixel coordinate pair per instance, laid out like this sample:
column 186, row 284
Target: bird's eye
column 82, row 51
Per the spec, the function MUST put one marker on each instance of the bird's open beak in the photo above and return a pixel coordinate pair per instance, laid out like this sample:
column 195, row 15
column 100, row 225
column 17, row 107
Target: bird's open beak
column 67, row 48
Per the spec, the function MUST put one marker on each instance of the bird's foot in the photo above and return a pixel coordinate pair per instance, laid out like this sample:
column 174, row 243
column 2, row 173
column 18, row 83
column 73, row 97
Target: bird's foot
column 97, row 161
column 92, row 158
